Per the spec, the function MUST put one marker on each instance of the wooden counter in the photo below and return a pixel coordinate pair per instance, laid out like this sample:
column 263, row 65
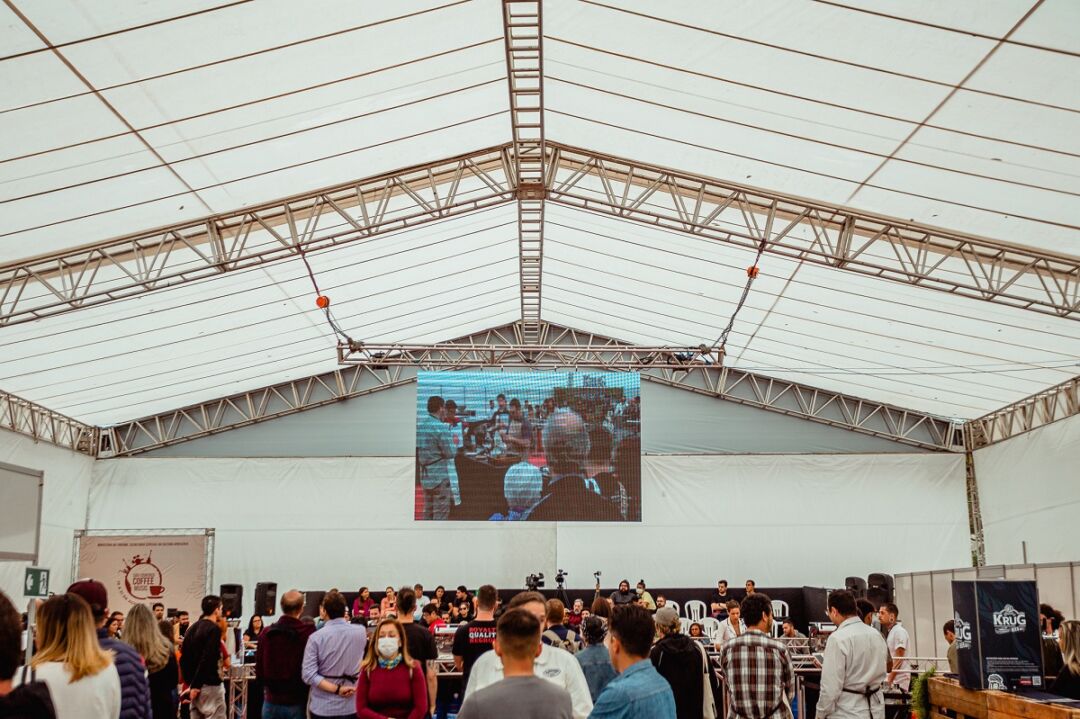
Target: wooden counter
column 971, row 704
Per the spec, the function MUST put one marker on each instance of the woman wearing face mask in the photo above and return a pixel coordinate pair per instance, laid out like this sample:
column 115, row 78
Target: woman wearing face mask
column 646, row 598
column 390, row 683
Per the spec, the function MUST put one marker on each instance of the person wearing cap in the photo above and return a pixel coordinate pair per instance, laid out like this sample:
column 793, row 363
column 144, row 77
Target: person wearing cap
column 682, row 662
column 594, row 659
column 134, row 685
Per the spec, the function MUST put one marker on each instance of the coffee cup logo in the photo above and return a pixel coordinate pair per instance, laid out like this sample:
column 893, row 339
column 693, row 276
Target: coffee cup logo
column 1009, row 620
column 141, row 579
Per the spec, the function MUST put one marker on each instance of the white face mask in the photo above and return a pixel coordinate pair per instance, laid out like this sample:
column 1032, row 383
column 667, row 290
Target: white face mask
column 388, row 647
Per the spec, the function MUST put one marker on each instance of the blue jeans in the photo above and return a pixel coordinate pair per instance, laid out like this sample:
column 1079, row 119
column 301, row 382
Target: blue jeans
column 283, row 711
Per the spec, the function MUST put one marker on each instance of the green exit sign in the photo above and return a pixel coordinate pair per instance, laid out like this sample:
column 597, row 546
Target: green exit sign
column 36, row 583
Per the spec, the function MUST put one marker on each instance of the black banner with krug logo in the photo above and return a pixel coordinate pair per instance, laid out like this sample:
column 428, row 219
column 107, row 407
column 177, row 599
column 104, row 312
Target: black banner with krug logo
column 998, row 641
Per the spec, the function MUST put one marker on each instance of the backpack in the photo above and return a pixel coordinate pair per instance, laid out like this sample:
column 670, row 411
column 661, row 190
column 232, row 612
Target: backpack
column 569, row 644
column 29, row 700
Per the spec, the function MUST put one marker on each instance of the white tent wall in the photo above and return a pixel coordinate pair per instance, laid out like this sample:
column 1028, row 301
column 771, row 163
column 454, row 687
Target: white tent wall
column 321, row 522
column 1028, row 493
column 67, row 483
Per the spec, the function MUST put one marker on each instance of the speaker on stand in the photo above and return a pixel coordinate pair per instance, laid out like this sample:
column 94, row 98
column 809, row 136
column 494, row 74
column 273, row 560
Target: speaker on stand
column 879, row 589
column 232, row 600
column 265, row 599
column 857, row 587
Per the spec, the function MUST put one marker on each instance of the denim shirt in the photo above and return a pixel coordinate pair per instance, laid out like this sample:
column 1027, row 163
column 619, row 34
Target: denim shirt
column 596, row 664
column 638, row 693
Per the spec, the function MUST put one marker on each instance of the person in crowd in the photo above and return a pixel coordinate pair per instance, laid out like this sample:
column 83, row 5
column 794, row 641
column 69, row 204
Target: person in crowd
column 390, row 683
column 523, row 484
column 517, row 645
column 566, row 447
column 868, row 615
column 30, row 699
column 1067, row 683
column 183, row 621
column 200, row 662
column 760, row 678
column 439, row 598
column 166, row 629
column 473, row 639
column 696, row 630
column 431, row 619
column 732, row 627
column 623, row 595
column 134, row 687
column 639, row 691
column 421, row 644
column 159, row 611
column 363, row 603
column 388, row 604
column 112, row 627
column 573, row 619
column 254, row 629
column 279, row 660
column 518, row 436
column 421, row 601
column 949, row 630
column 434, row 453
column 552, row 664
column 647, row 600
column 461, row 595
column 751, row 587
column 601, row 607
column 331, row 658
column 854, row 668
column 594, row 659
column 718, row 602
column 1050, row 621
column 556, row 633
column 461, row 612
column 81, row 675
column 500, row 416
column 898, row 641
column 683, row 663
column 796, row 641
column 142, row 633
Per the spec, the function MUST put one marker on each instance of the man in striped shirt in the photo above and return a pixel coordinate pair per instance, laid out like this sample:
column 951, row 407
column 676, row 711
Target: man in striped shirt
column 758, row 669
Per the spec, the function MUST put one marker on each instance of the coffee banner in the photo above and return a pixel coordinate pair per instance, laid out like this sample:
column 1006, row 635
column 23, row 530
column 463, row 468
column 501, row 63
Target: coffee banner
column 147, row 569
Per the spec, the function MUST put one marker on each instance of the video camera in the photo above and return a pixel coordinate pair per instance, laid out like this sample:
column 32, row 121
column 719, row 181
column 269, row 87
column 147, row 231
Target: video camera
column 534, row 581
column 560, row 577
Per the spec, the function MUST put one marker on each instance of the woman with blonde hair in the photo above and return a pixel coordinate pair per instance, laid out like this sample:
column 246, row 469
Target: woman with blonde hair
column 141, row 632
column 1067, row 683
column 391, row 683
column 80, row 675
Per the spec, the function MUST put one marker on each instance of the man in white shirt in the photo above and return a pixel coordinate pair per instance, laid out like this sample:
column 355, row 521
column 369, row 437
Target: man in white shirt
column 853, row 670
column 898, row 642
column 731, row 627
column 556, row 665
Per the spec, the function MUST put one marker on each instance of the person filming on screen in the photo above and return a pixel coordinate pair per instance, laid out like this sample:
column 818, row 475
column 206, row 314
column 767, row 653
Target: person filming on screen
column 571, row 494
column 435, row 454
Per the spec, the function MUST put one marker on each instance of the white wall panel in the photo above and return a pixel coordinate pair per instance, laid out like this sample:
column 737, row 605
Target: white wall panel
column 67, row 482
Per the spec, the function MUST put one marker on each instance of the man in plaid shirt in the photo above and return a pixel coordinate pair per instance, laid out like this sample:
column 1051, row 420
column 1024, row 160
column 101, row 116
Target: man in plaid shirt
column 758, row 669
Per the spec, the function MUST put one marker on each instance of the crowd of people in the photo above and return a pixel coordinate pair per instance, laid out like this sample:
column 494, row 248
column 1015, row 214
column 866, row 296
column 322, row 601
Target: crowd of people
column 623, row 657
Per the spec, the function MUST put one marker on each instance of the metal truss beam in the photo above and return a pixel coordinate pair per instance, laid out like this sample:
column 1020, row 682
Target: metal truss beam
column 128, row 266
column 805, row 230
column 1038, row 410
column 44, row 425
column 246, row 408
column 523, row 33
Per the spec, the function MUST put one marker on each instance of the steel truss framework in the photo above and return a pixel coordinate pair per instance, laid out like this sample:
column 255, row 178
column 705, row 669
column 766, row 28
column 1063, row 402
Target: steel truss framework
column 44, row 425
column 1040, row 409
column 398, row 366
column 523, row 33
column 798, row 229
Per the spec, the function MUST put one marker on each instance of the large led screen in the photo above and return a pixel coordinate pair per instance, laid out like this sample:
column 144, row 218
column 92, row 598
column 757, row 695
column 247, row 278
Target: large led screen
column 528, row 446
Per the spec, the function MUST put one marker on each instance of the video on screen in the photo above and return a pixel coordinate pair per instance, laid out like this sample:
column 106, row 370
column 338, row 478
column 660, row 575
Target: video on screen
column 528, row 446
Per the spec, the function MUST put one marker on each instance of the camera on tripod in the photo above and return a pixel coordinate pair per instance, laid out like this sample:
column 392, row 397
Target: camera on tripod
column 560, row 577
column 534, row 581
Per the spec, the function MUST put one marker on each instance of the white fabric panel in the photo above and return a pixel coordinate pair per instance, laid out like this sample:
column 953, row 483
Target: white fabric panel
column 1028, row 493
column 784, row 521
column 1055, row 587
column 314, row 523
column 920, row 623
column 67, row 482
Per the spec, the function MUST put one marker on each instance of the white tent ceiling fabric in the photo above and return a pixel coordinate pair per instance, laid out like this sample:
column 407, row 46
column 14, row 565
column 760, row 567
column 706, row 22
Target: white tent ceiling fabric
column 204, row 107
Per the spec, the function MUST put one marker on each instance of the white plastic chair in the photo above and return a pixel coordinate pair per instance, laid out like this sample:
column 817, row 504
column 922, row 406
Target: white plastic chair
column 684, row 625
column 673, row 605
column 695, row 609
column 780, row 610
column 711, row 626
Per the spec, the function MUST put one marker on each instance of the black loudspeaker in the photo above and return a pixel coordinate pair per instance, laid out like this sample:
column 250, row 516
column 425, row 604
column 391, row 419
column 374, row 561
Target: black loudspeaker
column 879, row 589
column 265, row 598
column 857, row 586
column 232, row 600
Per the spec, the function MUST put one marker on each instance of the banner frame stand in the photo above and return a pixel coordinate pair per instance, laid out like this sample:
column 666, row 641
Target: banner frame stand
column 208, row 532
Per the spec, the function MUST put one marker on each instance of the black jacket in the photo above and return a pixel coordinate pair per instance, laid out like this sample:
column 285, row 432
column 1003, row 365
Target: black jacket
column 679, row 659
column 134, row 686
column 201, row 655
column 570, row 499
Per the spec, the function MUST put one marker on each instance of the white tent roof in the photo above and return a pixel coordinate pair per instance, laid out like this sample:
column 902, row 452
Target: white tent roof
column 159, row 113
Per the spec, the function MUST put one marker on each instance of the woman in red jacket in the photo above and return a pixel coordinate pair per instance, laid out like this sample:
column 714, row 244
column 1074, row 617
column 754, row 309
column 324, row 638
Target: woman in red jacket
column 391, row 683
